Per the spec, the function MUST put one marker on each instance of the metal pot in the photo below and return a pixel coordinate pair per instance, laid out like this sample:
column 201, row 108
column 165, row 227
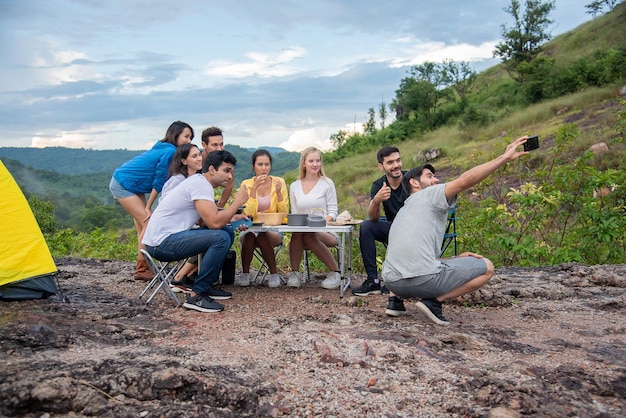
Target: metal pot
column 297, row 219
column 316, row 221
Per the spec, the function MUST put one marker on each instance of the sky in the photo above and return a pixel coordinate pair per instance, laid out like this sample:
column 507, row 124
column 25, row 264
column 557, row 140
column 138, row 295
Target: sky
column 283, row 73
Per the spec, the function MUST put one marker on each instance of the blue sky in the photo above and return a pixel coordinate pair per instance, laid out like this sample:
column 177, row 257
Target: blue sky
column 114, row 74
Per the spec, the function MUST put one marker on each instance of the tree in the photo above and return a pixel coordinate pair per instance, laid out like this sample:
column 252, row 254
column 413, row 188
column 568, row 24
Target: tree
column 595, row 7
column 339, row 139
column 523, row 41
column 460, row 76
column 369, row 127
column 428, row 87
column 43, row 210
column 382, row 113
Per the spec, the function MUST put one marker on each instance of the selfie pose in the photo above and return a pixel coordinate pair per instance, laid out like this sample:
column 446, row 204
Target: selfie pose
column 412, row 267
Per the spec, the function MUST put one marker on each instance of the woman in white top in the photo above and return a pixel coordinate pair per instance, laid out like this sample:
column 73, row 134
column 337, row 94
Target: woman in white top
column 313, row 190
column 187, row 160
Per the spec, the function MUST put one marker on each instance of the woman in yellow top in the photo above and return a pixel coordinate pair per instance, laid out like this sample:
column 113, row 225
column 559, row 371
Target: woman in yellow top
column 267, row 194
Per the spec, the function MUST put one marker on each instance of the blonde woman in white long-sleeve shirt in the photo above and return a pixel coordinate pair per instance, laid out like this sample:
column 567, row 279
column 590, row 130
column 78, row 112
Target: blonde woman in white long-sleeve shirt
column 313, row 190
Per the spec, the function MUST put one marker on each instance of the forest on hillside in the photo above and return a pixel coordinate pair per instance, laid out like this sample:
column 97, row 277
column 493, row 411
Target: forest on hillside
column 76, row 181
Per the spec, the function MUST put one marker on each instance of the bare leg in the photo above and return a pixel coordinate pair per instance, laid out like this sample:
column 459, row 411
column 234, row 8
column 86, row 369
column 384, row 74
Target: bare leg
column 318, row 242
column 296, row 247
column 136, row 207
column 248, row 242
column 266, row 241
column 186, row 270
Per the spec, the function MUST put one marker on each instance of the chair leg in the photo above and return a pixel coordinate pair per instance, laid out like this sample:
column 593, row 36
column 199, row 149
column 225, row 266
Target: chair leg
column 162, row 277
column 264, row 269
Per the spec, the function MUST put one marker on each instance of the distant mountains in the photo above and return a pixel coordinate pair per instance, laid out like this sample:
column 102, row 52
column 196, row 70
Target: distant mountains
column 76, row 161
column 57, row 171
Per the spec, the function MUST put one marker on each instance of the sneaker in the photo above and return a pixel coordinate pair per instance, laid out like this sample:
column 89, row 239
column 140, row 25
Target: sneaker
column 243, row 280
column 294, row 279
column 183, row 285
column 202, row 303
column 433, row 309
column 367, row 288
column 332, row 280
column 273, row 280
column 218, row 294
column 384, row 290
column 395, row 307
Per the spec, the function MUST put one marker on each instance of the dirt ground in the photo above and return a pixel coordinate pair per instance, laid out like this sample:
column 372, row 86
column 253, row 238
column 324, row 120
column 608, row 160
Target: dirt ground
column 534, row 342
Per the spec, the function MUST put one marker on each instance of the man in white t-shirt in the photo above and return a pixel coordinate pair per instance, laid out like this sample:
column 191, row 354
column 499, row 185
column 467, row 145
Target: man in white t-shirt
column 170, row 235
column 412, row 267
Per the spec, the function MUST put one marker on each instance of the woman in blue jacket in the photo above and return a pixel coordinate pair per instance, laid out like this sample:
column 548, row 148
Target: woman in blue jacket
column 146, row 173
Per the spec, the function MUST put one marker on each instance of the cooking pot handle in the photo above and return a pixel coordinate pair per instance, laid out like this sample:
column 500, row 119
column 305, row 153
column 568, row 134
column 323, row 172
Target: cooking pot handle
column 316, row 212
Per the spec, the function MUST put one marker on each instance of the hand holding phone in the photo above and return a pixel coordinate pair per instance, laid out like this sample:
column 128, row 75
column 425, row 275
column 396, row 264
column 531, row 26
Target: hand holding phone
column 236, row 224
column 531, row 143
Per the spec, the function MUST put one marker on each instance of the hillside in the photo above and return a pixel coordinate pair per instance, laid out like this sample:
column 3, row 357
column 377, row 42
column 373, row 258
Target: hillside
column 593, row 112
column 49, row 172
column 79, row 161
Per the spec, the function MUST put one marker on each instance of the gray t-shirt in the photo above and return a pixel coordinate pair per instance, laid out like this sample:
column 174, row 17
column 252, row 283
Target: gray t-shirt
column 177, row 210
column 416, row 235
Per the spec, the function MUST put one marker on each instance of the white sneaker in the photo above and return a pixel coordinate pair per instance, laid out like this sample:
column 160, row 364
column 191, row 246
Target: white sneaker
column 294, row 279
column 274, row 280
column 332, row 280
column 243, row 280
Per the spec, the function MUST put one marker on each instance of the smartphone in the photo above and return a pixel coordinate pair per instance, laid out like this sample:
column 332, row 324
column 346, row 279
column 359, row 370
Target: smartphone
column 236, row 224
column 532, row 143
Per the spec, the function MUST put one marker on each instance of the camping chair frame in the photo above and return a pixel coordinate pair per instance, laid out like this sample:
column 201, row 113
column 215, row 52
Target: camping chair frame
column 307, row 276
column 163, row 273
column 263, row 270
column 449, row 237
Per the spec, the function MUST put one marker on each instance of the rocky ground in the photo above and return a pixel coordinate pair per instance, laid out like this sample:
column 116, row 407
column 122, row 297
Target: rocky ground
column 538, row 342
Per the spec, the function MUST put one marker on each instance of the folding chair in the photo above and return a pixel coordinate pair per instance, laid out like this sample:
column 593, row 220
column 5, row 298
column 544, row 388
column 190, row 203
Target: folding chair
column 264, row 269
column 450, row 234
column 306, row 262
column 163, row 272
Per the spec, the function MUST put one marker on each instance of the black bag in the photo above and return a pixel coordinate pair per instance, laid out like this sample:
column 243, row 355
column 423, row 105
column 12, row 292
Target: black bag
column 228, row 269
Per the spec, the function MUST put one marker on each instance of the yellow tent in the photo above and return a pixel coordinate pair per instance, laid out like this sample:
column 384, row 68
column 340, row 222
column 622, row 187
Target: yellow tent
column 26, row 266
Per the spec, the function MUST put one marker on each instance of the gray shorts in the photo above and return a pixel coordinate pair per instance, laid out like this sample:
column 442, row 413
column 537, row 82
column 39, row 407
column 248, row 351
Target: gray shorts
column 454, row 273
column 118, row 191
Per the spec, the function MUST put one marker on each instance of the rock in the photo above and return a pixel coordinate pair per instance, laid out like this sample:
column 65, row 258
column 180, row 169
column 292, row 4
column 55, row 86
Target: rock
column 598, row 148
column 502, row 412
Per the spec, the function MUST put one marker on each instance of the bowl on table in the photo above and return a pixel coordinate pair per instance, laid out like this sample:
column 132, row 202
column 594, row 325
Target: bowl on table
column 270, row 218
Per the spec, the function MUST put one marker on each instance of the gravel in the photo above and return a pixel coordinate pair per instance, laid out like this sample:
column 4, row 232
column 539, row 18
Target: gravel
column 541, row 342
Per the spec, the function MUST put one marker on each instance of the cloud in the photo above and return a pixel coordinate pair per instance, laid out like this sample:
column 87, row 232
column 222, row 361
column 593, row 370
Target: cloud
column 259, row 64
column 416, row 53
column 116, row 73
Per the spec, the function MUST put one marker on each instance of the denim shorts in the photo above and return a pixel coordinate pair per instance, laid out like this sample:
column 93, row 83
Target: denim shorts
column 454, row 273
column 256, row 234
column 118, row 191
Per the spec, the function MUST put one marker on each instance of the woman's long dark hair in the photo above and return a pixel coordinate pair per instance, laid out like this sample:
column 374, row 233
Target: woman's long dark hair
column 175, row 129
column 177, row 166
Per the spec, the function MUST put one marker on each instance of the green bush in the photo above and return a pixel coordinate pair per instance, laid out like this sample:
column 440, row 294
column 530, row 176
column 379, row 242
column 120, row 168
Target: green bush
column 95, row 244
column 572, row 212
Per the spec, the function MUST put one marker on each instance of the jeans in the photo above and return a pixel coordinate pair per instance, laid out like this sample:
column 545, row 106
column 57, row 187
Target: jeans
column 213, row 244
column 370, row 232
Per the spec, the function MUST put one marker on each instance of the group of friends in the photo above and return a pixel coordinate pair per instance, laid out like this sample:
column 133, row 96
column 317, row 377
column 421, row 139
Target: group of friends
column 408, row 212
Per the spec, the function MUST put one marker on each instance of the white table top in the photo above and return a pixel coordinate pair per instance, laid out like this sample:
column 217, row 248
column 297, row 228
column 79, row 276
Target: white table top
column 291, row 228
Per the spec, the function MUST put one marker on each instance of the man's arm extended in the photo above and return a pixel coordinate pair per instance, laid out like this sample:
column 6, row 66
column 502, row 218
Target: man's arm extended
column 475, row 175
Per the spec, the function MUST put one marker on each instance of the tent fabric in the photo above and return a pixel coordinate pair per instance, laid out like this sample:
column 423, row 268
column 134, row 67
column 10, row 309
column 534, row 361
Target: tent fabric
column 26, row 265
